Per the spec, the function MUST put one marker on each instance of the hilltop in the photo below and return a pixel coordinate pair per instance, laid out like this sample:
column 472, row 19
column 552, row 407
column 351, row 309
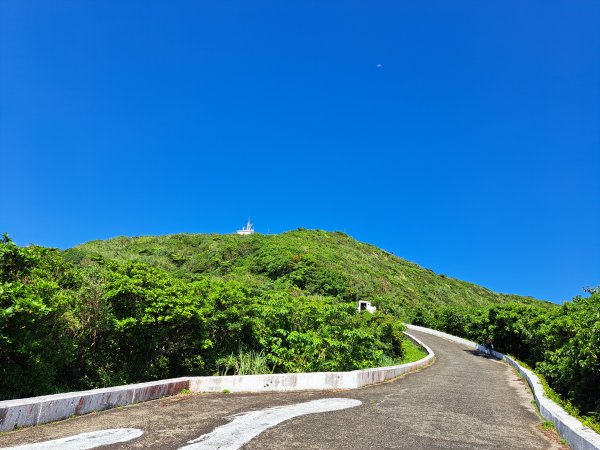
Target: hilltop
column 311, row 262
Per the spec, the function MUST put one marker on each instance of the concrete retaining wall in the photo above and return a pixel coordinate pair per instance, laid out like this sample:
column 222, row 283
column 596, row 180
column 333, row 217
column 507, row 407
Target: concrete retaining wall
column 572, row 430
column 311, row 381
column 37, row 410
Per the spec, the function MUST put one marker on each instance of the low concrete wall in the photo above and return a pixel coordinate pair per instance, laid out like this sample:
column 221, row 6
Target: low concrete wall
column 311, row 381
column 37, row 410
column 572, row 430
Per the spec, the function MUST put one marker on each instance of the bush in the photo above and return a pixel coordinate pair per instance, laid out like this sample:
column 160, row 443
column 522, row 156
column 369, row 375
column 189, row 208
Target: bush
column 37, row 326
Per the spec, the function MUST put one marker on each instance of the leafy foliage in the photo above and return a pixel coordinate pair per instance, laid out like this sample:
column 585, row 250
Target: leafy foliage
column 72, row 321
column 38, row 329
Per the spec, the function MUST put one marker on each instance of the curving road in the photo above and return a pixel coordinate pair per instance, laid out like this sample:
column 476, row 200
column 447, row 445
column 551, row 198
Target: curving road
column 464, row 401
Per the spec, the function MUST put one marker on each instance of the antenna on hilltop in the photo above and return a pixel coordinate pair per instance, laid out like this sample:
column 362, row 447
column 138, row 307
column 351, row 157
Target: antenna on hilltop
column 248, row 229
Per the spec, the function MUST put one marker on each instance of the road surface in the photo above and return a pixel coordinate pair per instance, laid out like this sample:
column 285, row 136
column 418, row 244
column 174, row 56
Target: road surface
column 463, row 401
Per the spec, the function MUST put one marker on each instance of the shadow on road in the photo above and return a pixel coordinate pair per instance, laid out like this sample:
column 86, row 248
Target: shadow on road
column 480, row 354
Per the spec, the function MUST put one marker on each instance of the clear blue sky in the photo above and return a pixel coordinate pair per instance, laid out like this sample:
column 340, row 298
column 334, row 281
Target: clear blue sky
column 462, row 135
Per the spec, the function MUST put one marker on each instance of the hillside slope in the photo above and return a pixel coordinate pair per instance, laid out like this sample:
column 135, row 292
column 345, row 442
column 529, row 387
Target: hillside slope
column 304, row 261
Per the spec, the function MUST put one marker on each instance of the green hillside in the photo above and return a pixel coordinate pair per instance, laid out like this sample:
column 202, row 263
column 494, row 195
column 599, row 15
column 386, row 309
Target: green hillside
column 126, row 310
column 307, row 261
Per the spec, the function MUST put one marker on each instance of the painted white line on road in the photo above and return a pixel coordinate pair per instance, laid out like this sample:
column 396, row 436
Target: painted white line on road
column 248, row 425
column 84, row 440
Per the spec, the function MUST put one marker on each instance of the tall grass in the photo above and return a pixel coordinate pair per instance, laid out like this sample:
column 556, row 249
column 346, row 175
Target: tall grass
column 244, row 363
column 412, row 352
column 255, row 363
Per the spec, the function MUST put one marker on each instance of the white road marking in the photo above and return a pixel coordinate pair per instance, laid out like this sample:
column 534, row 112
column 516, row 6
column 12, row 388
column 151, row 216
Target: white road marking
column 84, row 440
column 248, row 425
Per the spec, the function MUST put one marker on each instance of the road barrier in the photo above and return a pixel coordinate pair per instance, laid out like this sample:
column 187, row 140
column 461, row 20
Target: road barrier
column 572, row 430
column 48, row 408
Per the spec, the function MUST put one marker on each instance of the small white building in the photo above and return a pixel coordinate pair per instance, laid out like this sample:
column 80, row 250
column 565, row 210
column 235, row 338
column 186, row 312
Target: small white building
column 364, row 305
column 248, row 229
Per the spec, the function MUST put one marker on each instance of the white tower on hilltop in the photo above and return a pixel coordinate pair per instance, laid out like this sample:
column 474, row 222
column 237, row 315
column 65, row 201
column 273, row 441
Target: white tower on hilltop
column 248, row 229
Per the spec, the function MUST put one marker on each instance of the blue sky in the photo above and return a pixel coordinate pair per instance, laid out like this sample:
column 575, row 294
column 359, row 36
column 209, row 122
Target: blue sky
column 464, row 136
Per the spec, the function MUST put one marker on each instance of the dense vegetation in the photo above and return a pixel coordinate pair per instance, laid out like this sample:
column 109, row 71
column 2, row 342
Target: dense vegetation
column 312, row 262
column 135, row 309
column 562, row 344
column 96, row 322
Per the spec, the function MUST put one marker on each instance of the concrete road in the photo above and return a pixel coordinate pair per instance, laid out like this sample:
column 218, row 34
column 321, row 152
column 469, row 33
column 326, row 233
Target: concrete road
column 464, row 401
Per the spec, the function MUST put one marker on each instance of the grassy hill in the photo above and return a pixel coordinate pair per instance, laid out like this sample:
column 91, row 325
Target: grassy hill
column 311, row 262
column 125, row 310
